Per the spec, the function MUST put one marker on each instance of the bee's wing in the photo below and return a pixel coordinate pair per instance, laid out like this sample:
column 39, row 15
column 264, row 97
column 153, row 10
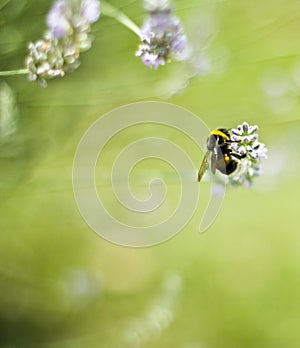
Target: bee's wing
column 213, row 162
column 204, row 166
column 218, row 161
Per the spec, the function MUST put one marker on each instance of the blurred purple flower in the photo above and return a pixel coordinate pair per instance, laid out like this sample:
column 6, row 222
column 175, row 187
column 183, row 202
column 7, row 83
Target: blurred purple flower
column 162, row 36
column 65, row 16
column 152, row 60
column 152, row 6
column 57, row 19
column 69, row 25
column 179, row 43
column 90, row 10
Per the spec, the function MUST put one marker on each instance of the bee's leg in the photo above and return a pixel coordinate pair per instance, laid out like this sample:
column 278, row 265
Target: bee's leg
column 238, row 156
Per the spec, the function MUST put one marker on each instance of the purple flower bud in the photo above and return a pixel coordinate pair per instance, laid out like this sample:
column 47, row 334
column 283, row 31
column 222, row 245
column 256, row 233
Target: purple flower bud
column 69, row 24
column 57, row 20
column 245, row 126
column 90, row 10
column 179, row 43
column 152, row 60
column 162, row 34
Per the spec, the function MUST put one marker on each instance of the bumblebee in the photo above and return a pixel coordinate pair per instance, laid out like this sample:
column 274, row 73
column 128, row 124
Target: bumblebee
column 219, row 155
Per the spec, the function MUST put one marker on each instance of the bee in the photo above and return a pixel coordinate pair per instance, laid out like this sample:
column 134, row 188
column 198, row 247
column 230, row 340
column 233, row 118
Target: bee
column 219, row 154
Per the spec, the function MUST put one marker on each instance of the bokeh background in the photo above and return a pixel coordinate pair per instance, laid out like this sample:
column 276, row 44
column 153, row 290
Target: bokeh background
column 237, row 285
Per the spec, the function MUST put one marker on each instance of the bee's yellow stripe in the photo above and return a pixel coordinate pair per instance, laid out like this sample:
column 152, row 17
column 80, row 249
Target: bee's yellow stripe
column 221, row 134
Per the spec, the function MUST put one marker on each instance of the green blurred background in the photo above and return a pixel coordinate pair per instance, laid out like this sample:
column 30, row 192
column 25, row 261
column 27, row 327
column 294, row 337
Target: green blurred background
column 237, row 285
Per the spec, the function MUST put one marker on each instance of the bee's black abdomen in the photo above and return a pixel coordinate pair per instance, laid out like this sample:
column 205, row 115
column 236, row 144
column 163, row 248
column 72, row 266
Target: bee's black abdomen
column 231, row 166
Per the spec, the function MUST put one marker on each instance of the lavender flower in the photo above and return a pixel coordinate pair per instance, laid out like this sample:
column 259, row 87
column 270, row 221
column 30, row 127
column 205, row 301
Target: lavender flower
column 245, row 143
column 67, row 36
column 162, row 34
column 152, row 6
column 152, row 60
column 58, row 19
column 90, row 10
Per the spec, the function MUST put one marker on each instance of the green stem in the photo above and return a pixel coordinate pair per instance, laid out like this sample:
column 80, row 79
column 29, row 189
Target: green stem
column 110, row 11
column 14, row 72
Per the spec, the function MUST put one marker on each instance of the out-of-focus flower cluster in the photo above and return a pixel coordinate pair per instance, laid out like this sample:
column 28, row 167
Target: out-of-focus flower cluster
column 245, row 143
column 162, row 34
column 69, row 25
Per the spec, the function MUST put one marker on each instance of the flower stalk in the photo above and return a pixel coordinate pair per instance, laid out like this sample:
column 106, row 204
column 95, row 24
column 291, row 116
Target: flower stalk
column 110, row 11
column 14, row 72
